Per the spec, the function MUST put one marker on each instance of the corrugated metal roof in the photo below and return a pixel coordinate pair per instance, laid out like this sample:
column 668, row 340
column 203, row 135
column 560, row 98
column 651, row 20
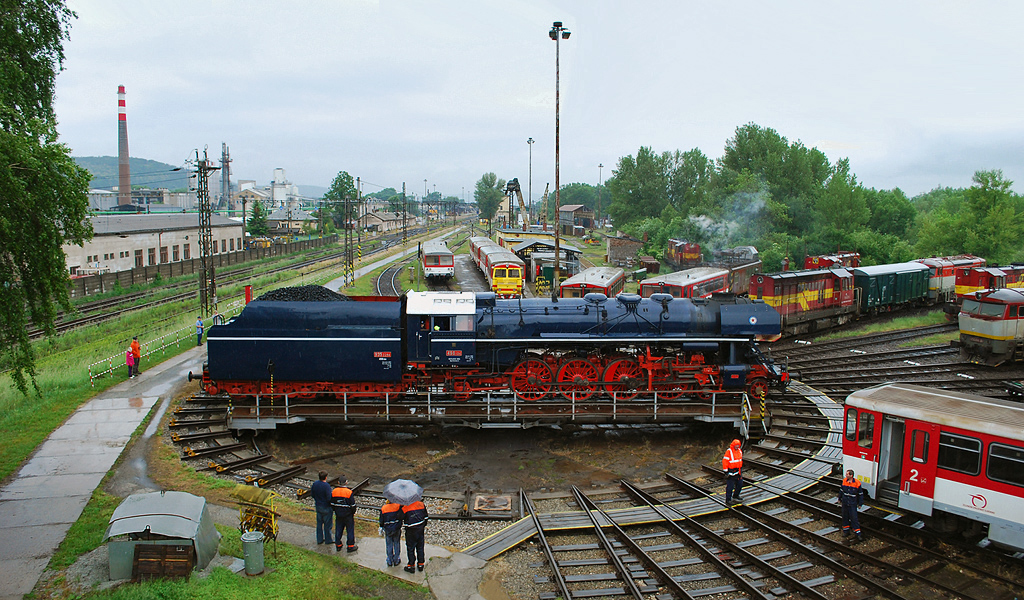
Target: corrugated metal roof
column 953, row 409
column 142, row 223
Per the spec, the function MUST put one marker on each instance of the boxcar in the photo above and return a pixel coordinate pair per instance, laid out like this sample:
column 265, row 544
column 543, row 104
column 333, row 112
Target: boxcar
column 992, row 327
column 807, row 300
column 699, row 282
column 602, row 280
column 438, row 261
column 886, row 287
column 942, row 274
column 953, row 457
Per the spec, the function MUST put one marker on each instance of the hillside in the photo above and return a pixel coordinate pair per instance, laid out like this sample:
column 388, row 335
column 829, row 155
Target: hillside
column 146, row 173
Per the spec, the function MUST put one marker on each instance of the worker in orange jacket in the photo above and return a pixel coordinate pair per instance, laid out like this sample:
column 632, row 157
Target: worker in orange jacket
column 851, row 497
column 732, row 464
column 391, row 520
column 344, row 506
column 136, row 352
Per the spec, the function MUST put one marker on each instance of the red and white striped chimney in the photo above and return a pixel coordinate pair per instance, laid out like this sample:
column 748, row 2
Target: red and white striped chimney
column 124, row 174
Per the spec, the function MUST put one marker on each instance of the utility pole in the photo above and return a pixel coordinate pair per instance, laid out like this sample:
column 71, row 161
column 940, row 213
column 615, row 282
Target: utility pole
column 557, row 33
column 599, row 167
column 405, row 229
column 350, row 262
column 208, row 285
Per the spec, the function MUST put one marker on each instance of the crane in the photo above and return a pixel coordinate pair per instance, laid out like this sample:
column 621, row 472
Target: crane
column 513, row 188
column 545, row 202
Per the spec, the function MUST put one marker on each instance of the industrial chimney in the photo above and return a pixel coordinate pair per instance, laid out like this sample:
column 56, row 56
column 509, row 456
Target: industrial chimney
column 124, row 174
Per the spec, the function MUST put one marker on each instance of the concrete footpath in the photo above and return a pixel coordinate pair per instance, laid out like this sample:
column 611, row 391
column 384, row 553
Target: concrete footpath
column 41, row 501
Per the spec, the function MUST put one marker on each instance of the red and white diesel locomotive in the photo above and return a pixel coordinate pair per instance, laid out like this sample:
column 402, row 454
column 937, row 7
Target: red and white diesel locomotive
column 955, row 458
column 992, row 327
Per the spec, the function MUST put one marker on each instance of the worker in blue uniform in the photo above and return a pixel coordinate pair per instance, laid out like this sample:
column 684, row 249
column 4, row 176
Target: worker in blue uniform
column 344, row 505
column 415, row 517
column 851, row 497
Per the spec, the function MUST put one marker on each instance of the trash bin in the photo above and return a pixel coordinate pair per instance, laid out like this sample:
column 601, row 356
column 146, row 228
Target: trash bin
column 252, row 550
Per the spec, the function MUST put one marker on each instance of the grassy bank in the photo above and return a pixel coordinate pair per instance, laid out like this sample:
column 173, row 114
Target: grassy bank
column 935, row 317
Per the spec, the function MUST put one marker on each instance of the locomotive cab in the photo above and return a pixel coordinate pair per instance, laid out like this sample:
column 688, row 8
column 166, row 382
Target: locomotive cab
column 441, row 328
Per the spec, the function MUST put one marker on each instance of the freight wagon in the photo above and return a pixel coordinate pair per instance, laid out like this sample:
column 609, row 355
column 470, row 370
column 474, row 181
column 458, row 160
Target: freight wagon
column 887, row 287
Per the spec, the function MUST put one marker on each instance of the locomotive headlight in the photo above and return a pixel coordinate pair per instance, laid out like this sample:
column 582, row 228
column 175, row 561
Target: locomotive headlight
column 753, row 320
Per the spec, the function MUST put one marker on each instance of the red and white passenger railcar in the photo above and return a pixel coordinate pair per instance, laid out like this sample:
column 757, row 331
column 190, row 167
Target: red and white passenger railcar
column 953, row 457
column 699, row 282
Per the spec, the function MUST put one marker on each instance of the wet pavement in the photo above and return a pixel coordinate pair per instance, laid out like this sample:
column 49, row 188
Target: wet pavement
column 41, row 501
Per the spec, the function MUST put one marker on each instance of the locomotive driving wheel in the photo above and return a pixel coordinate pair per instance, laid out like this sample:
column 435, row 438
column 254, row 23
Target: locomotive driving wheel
column 531, row 379
column 624, row 378
column 757, row 389
column 668, row 382
column 580, row 376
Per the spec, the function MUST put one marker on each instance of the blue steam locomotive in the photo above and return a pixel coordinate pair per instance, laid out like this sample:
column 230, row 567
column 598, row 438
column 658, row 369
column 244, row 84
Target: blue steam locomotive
column 463, row 344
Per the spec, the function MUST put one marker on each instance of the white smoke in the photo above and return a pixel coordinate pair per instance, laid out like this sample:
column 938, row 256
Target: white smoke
column 739, row 224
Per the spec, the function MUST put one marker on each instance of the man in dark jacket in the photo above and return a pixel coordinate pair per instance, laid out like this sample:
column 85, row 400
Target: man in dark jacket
column 851, row 497
column 415, row 517
column 391, row 525
column 321, row 491
column 344, row 514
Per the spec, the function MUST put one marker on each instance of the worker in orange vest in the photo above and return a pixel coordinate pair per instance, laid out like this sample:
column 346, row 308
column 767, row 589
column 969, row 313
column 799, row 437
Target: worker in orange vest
column 732, row 464
column 851, row 497
column 344, row 506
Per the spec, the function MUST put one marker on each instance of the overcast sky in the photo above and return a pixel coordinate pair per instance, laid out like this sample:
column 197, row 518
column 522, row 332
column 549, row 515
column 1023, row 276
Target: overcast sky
column 917, row 94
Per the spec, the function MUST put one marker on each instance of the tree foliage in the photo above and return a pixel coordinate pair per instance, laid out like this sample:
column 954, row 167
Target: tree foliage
column 342, row 188
column 257, row 221
column 43, row 193
column 489, row 192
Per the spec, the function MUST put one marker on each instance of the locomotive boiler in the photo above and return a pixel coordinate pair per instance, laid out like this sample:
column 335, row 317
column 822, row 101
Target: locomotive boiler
column 461, row 345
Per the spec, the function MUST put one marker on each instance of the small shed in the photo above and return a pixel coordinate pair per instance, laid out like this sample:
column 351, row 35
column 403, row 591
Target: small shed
column 651, row 264
column 160, row 534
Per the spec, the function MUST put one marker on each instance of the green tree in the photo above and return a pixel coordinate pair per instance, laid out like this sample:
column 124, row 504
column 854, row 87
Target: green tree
column 891, row 212
column 342, row 188
column 689, row 174
column 257, row 222
column 489, row 192
column 639, row 188
column 43, row 193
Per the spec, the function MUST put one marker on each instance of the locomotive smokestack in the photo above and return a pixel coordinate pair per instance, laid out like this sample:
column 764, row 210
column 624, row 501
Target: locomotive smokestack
column 124, row 174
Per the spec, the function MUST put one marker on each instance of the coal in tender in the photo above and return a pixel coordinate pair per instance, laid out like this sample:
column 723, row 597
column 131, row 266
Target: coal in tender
column 303, row 293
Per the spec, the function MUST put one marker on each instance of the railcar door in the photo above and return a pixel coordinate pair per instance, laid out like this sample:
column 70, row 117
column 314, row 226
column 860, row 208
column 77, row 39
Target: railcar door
column 917, row 477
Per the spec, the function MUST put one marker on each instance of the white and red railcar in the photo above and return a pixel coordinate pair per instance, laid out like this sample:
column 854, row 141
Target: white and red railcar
column 438, row 261
column 955, row 458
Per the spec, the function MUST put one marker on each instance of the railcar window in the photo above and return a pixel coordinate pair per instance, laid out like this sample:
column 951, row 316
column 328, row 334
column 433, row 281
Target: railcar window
column 851, row 424
column 992, row 310
column 500, row 273
column 464, row 323
column 866, row 431
column 1006, row 464
column 958, row 453
column 919, row 446
column 971, row 306
column 513, row 272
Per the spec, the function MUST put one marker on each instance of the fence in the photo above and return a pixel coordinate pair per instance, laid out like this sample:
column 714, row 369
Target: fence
column 108, row 365
column 97, row 284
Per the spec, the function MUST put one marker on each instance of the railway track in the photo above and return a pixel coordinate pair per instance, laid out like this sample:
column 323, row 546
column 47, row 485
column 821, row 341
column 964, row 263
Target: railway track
column 678, row 539
column 796, row 350
column 387, row 282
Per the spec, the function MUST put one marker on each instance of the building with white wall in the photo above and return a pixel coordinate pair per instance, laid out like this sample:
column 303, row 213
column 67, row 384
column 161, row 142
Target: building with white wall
column 122, row 242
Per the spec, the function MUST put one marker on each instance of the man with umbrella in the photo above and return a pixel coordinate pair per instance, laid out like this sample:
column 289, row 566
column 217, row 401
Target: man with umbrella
column 414, row 514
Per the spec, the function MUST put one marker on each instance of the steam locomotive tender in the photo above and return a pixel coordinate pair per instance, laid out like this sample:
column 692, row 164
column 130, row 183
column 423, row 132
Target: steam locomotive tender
column 459, row 344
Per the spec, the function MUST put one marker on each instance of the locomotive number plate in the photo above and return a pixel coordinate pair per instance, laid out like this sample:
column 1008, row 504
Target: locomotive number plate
column 454, row 353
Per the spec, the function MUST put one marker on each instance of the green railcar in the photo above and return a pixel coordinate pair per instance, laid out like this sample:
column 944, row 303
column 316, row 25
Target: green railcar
column 885, row 287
